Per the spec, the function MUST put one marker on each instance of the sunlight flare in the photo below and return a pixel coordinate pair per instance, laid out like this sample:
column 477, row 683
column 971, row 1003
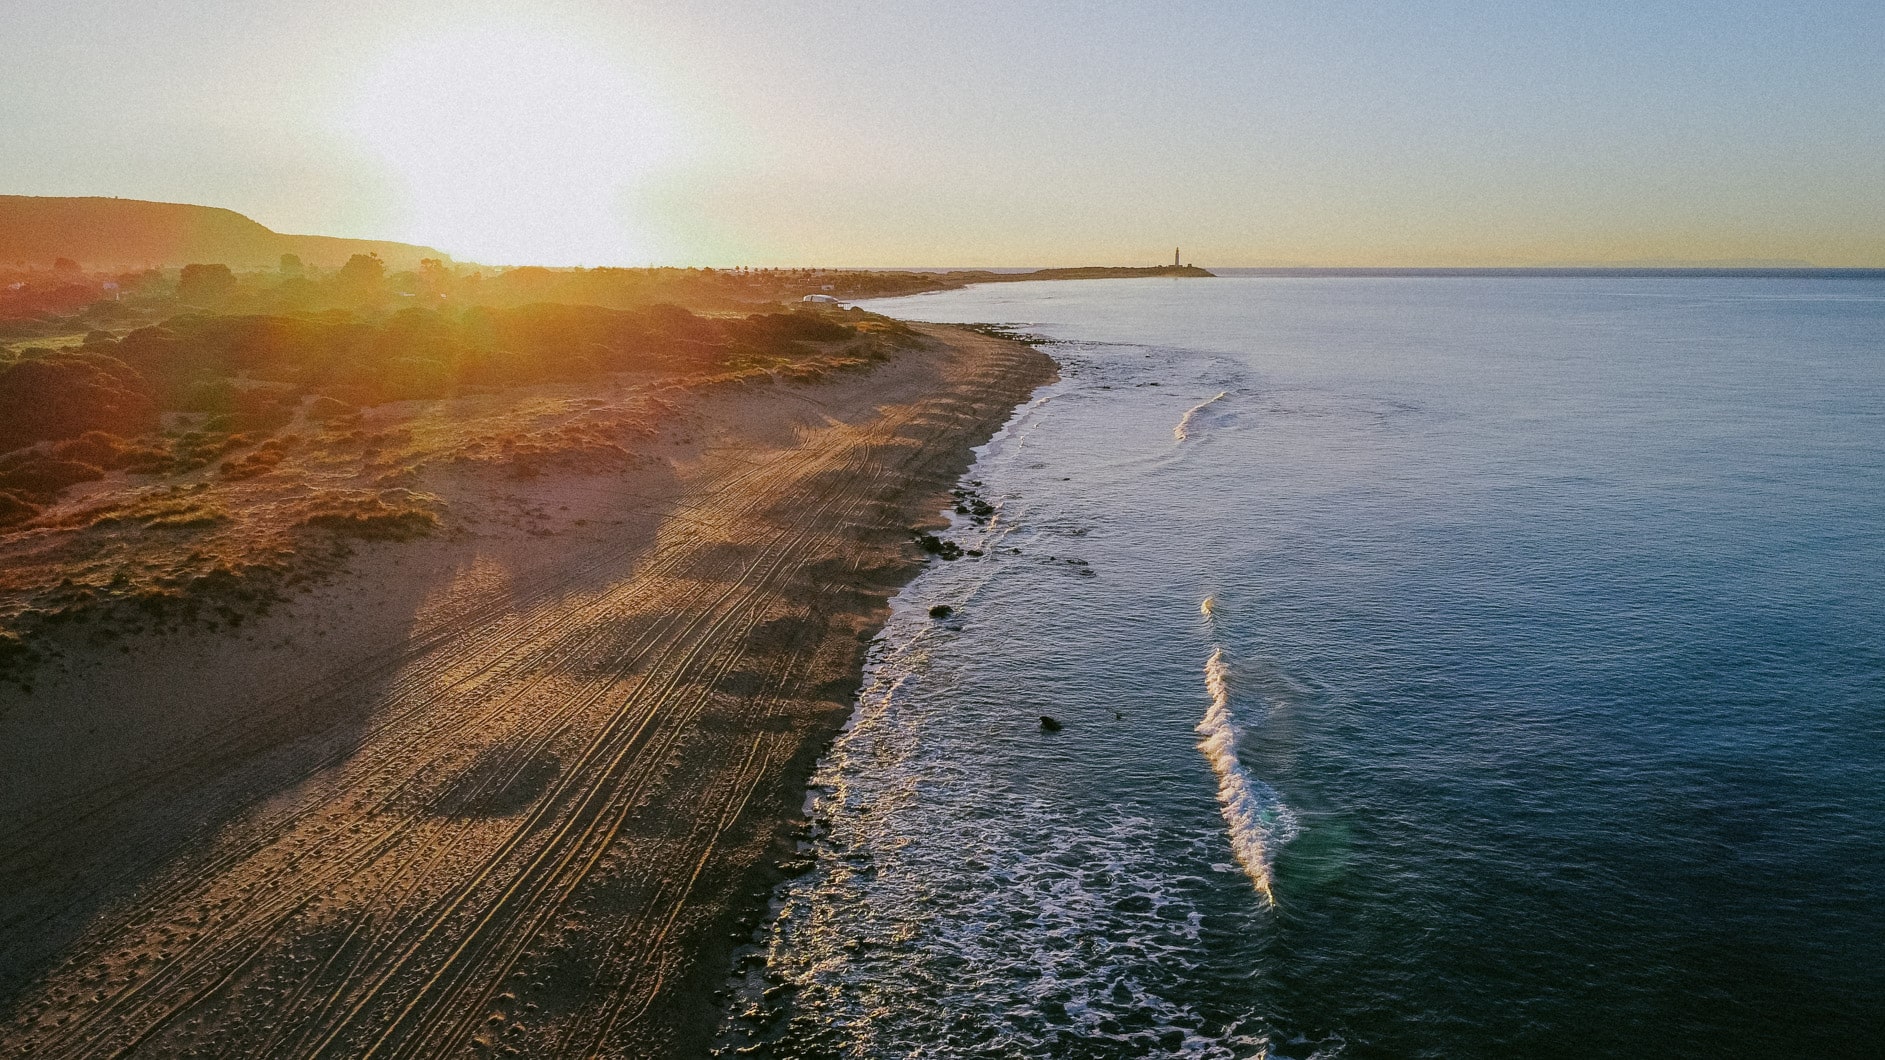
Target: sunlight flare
column 515, row 146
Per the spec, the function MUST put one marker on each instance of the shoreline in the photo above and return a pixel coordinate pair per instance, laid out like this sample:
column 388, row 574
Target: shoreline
column 449, row 822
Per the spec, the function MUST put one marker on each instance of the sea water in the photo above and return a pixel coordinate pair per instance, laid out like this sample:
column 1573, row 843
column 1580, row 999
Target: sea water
column 1446, row 667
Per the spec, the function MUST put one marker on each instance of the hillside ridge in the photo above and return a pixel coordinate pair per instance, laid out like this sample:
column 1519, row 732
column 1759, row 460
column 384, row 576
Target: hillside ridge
column 102, row 232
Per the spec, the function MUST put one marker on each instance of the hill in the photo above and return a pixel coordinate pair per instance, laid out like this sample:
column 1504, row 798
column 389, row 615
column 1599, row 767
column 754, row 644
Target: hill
column 132, row 233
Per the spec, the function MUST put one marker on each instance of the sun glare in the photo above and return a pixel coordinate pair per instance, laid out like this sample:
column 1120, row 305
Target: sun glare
column 515, row 147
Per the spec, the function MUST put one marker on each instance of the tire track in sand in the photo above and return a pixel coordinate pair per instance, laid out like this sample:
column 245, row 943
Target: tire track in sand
column 559, row 802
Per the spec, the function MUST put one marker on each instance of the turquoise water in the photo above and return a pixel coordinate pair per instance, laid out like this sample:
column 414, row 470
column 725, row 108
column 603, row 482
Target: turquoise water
column 1538, row 708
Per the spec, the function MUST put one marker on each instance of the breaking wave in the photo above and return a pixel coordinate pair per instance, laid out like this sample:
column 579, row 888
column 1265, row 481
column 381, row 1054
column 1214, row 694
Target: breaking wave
column 1183, row 430
column 945, row 914
column 1255, row 816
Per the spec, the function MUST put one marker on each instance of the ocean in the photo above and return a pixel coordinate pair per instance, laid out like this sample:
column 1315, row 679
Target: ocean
column 1445, row 667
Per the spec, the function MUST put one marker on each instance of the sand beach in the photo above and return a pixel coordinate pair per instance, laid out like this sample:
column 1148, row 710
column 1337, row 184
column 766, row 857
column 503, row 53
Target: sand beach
column 511, row 788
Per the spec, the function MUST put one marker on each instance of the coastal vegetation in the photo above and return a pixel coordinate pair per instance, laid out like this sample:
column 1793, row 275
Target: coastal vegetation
column 184, row 445
column 176, row 428
column 587, row 635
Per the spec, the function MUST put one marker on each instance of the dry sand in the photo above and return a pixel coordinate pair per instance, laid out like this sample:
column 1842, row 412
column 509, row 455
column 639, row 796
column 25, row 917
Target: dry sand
column 510, row 790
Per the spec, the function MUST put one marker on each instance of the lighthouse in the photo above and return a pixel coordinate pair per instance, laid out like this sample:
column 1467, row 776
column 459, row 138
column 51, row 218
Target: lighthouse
column 1174, row 257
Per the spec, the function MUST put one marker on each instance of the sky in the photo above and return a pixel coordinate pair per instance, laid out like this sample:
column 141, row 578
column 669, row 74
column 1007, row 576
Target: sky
column 887, row 133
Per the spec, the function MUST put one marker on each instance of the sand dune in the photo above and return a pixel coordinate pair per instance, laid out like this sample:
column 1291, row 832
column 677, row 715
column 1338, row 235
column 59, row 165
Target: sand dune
column 507, row 791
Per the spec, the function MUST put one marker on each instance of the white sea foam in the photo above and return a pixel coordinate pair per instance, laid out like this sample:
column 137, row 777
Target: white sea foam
column 947, row 914
column 1183, row 430
column 1257, row 820
column 949, row 911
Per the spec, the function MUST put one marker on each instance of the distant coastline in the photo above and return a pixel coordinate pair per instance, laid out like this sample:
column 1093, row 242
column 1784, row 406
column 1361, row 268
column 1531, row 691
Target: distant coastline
column 1001, row 275
column 1570, row 272
column 950, row 278
column 1107, row 272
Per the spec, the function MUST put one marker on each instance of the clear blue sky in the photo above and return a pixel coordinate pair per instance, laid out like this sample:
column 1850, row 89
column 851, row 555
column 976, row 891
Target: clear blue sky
column 618, row 131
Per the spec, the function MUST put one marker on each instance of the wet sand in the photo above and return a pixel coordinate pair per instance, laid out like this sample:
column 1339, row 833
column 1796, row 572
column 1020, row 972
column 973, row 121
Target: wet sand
column 510, row 791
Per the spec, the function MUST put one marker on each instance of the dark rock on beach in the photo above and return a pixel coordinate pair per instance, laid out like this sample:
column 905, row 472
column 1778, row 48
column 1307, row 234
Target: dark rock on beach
column 936, row 546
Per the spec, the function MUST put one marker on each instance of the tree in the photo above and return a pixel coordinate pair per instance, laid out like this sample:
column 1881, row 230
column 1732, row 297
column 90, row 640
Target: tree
column 364, row 274
column 66, row 265
column 433, row 276
column 205, row 284
column 145, row 281
column 291, row 266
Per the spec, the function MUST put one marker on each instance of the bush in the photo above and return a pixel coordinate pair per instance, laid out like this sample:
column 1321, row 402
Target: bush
column 15, row 509
column 42, row 479
column 384, row 525
column 94, row 447
column 234, row 406
column 66, row 393
column 262, row 459
column 390, row 515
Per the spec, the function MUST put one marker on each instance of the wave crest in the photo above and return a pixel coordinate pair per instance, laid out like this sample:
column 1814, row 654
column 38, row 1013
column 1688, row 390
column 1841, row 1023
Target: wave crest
column 1183, row 430
column 1254, row 814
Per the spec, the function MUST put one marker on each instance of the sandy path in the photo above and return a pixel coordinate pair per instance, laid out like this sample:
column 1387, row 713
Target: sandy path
column 527, row 821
